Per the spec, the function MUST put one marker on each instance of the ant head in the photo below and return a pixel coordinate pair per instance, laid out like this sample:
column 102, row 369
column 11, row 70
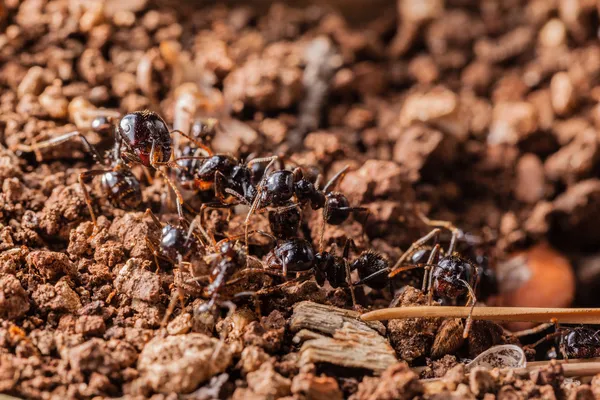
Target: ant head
column 122, row 188
column 337, row 208
column 278, row 188
column 145, row 132
column 449, row 276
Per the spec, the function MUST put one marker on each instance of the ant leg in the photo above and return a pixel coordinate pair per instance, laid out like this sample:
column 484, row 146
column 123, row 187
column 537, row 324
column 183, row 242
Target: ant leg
column 176, row 191
column 261, row 160
column 198, row 144
column 176, row 295
column 473, row 300
column 318, row 181
column 420, row 242
column 533, row 331
column 82, row 178
column 61, row 139
column 336, row 178
column 428, row 269
column 154, row 218
column 546, row 338
column 349, row 245
column 154, row 252
column 349, row 281
column 443, row 224
column 235, row 194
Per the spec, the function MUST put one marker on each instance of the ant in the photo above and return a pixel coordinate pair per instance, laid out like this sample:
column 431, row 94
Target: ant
column 579, row 342
column 141, row 137
column 177, row 241
column 279, row 187
column 447, row 276
column 297, row 255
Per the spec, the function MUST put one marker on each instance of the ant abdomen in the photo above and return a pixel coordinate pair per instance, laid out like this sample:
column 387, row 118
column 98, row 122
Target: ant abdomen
column 369, row 263
column 175, row 243
column 122, row 189
column 293, row 255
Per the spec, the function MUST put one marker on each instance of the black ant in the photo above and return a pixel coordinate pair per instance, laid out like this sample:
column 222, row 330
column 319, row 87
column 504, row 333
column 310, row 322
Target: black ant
column 141, row 137
column 177, row 241
column 277, row 189
column 448, row 276
column 296, row 255
column 579, row 342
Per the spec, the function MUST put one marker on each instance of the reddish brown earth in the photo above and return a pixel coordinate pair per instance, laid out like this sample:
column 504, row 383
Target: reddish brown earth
column 482, row 113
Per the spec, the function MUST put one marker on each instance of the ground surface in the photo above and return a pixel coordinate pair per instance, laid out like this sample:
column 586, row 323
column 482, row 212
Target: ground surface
column 481, row 113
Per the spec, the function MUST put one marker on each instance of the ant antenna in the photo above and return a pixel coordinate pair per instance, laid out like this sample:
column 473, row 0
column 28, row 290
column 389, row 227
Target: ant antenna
column 473, row 300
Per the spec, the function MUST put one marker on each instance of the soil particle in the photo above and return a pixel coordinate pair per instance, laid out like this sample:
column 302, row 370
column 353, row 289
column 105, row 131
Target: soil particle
column 573, row 214
column 252, row 358
column 90, row 325
column 576, row 160
column 530, row 186
column 59, row 297
column 267, row 382
column 14, row 302
column 62, row 211
column 135, row 281
column 412, row 338
column 307, row 385
column 397, row 382
column 375, row 179
column 181, row 363
column 130, row 230
column 481, row 381
column 180, row 325
column 51, row 265
column 104, row 357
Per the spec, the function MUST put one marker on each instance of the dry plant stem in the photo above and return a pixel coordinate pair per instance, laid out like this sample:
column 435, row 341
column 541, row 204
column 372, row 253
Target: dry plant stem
column 529, row 314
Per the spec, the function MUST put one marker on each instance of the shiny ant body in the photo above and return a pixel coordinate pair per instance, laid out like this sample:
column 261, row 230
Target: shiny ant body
column 288, row 191
column 578, row 342
column 297, row 256
column 448, row 276
column 141, row 137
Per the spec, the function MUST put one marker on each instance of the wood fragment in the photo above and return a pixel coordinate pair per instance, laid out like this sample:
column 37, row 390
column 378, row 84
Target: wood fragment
column 355, row 344
column 328, row 319
column 530, row 314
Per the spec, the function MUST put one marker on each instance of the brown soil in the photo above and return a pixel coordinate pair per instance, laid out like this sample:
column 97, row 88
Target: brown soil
column 482, row 113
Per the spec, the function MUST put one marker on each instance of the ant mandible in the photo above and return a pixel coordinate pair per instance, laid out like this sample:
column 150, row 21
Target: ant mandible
column 141, row 137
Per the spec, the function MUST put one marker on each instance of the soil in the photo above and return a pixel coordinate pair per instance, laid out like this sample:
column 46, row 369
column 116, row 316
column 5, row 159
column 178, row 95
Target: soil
column 481, row 113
